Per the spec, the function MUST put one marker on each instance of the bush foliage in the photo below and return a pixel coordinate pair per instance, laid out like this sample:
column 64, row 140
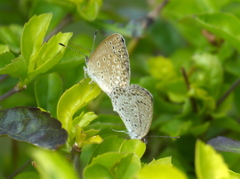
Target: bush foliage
column 186, row 53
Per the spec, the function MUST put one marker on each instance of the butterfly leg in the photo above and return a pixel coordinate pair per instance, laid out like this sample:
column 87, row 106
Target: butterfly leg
column 85, row 72
column 85, row 75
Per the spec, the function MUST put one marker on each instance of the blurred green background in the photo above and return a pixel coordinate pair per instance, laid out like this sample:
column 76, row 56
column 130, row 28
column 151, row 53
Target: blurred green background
column 195, row 37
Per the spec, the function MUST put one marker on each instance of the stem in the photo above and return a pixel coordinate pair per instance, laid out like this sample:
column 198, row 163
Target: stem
column 19, row 170
column 226, row 94
column 63, row 23
column 14, row 90
column 76, row 152
column 151, row 17
column 3, row 77
column 148, row 20
column 192, row 100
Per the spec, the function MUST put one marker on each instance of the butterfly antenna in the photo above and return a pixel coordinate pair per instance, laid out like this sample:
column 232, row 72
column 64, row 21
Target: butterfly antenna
column 164, row 136
column 73, row 49
column 94, row 39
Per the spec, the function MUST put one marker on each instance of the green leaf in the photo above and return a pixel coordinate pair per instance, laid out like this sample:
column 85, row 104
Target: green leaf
column 161, row 68
column 208, row 5
column 86, row 137
column 89, row 9
column 16, row 68
column 106, row 124
column 226, row 123
column 4, row 48
column 208, row 163
column 161, row 168
column 234, row 175
column 128, row 167
column 74, row 99
column 232, row 66
column 110, row 144
column 84, row 119
column 49, row 54
column 223, row 25
column 225, row 144
column 209, row 72
column 48, row 90
column 114, row 144
column 32, row 37
column 32, row 125
column 11, row 35
column 178, row 9
column 5, row 59
column 175, row 89
column 167, row 161
column 52, row 165
column 200, row 129
column 118, row 165
column 199, row 93
column 97, row 171
column 174, row 126
column 135, row 146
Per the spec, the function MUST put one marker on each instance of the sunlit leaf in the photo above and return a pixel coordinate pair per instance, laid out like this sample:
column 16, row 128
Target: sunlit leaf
column 52, row 165
column 161, row 168
column 50, row 53
column 89, row 9
column 14, row 67
column 208, row 163
column 84, row 119
column 135, row 146
column 117, row 165
column 32, row 37
column 74, row 99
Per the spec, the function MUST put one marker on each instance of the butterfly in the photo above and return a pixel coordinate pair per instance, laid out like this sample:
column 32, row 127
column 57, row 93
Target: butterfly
column 134, row 104
column 109, row 64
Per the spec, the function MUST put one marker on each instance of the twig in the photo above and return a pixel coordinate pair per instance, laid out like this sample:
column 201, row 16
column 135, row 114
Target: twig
column 192, row 100
column 3, row 77
column 20, row 169
column 148, row 20
column 225, row 95
column 63, row 23
column 11, row 92
column 76, row 152
column 151, row 17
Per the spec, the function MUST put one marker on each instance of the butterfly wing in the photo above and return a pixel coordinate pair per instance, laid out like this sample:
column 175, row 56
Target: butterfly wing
column 109, row 65
column 134, row 105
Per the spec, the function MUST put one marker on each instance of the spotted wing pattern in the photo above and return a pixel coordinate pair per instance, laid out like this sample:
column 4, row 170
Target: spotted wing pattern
column 109, row 64
column 134, row 105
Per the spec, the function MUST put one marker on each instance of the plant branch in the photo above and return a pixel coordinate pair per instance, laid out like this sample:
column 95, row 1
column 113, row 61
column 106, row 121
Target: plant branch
column 151, row 17
column 76, row 152
column 227, row 93
column 11, row 92
column 148, row 20
column 19, row 170
column 3, row 77
column 192, row 100
column 68, row 19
